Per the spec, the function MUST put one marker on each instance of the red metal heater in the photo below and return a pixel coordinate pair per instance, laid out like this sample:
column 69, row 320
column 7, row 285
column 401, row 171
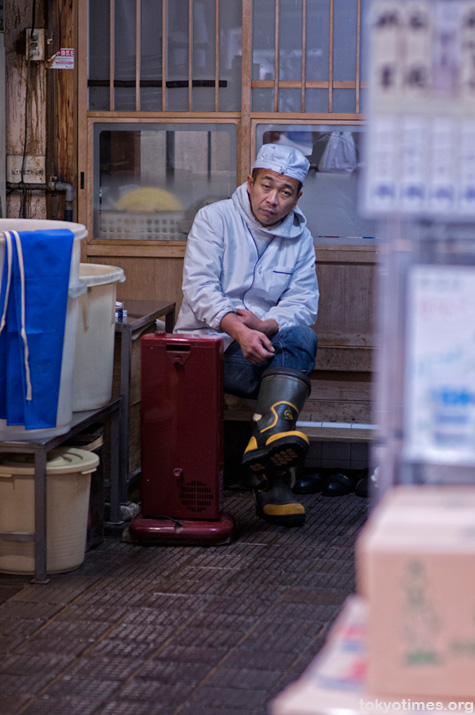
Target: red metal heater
column 182, row 438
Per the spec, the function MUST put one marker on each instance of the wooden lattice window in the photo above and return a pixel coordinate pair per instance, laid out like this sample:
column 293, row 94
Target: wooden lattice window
column 306, row 56
column 300, row 56
column 162, row 55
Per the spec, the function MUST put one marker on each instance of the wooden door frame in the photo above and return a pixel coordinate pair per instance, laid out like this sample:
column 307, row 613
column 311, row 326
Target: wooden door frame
column 246, row 120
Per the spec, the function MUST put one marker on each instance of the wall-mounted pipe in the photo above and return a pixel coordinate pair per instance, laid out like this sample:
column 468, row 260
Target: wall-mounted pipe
column 69, row 198
column 52, row 187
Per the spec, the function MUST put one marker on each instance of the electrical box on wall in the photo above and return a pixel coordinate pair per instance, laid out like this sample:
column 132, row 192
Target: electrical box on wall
column 35, row 44
column 31, row 169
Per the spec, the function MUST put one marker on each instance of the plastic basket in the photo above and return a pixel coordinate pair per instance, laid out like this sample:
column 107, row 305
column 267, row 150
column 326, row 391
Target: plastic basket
column 160, row 226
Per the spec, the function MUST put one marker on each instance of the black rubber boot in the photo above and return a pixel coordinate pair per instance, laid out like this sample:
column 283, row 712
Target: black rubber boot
column 275, row 443
column 276, row 503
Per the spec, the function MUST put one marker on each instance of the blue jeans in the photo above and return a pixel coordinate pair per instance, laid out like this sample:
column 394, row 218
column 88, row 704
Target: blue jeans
column 295, row 347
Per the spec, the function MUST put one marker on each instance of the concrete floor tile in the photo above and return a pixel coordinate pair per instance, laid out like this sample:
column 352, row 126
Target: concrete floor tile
column 113, row 668
column 26, row 684
column 174, row 630
column 98, row 690
column 189, row 674
column 71, row 705
column 192, row 655
column 243, row 678
column 12, row 704
column 137, row 707
column 225, row 698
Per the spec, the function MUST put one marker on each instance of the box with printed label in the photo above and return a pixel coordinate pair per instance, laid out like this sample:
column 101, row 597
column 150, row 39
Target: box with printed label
column 416, row 568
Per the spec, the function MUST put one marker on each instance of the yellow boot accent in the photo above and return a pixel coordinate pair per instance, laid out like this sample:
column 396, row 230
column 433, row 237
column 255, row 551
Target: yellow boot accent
column 276, row 503
column 283, row 509
column 285, row 435
column 252, row 444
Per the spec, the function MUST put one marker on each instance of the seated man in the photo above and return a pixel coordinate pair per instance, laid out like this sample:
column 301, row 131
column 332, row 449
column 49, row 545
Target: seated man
column 249, row 275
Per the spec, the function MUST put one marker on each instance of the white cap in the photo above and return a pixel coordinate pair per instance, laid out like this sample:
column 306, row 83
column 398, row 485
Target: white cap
column 283, row 160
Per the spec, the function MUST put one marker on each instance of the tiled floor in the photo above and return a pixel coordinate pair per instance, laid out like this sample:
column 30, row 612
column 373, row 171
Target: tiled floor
column 180, row 629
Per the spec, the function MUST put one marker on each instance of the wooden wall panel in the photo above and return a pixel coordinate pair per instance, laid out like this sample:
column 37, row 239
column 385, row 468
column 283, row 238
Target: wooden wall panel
column 345, row 324
column 343, row 359
column 345, row 315
column 339, row 397
column 148, row 278
column 61, row 149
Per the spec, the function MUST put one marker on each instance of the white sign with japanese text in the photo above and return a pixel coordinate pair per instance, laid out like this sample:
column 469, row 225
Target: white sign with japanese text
column 440, row 385
column 64, row 59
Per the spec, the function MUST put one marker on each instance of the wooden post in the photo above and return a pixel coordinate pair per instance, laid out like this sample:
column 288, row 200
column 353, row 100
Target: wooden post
column 61, row 106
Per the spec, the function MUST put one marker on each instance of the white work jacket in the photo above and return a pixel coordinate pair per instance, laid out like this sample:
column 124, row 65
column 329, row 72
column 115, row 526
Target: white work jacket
column 223, row 270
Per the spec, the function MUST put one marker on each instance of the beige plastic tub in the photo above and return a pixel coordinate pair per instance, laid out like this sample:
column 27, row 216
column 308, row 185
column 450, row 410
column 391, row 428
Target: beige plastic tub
column 68, row 478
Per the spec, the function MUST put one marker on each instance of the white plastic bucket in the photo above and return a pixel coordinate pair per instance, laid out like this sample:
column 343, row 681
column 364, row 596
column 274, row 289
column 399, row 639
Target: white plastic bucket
column 68, row 479
column 65, row 399
column 94, row 360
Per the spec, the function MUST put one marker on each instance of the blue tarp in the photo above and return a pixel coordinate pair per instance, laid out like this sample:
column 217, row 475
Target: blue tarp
column 33, row 303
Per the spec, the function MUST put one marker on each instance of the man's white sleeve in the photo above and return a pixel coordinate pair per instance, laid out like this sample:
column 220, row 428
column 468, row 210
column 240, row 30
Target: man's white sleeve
column 202, row 270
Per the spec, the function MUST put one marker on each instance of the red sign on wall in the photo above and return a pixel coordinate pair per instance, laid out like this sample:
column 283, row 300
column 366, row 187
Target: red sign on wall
column 64, row 59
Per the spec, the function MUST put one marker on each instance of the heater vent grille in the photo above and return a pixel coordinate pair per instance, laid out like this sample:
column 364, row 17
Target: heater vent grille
column 196, row 496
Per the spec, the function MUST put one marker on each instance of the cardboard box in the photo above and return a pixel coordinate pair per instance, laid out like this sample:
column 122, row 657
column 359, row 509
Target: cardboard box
column 416, row 569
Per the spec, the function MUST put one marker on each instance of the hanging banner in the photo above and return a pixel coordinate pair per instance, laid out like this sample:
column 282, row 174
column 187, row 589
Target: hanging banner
column 440, row 377
column 420, row 157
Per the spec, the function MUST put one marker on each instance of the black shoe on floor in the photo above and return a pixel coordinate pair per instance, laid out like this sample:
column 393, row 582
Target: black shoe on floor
column 307, row 482
column 338, row 485
column 362, row 488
